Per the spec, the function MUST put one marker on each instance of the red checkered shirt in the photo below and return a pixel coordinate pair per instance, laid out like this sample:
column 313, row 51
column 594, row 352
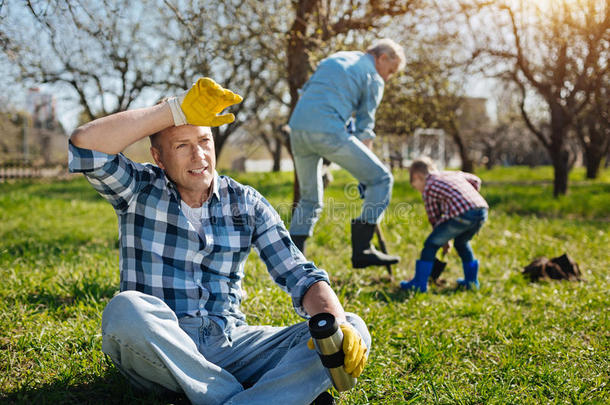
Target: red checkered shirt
column 450, row 194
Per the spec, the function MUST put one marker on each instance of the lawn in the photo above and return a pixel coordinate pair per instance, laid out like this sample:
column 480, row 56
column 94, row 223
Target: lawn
column 510, row 342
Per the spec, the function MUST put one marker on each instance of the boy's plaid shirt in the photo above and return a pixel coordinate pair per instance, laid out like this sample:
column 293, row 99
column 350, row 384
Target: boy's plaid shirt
column 162, row 255
column 450, row 194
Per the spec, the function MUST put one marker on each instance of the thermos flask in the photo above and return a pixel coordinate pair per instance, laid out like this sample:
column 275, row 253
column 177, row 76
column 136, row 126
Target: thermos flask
column 328, row 340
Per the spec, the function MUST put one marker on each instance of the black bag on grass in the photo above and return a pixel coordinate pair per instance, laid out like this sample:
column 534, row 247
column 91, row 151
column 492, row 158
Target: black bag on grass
column 558, row 268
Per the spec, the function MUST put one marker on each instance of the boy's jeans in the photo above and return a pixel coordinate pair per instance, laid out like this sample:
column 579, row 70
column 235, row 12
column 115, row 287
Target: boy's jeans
column 461, row 228
column 157, row 351
column 308, row 149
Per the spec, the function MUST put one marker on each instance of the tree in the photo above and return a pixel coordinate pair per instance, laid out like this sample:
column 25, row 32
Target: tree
column 428, row 96
column 431, row 92
column 96, row 51
column 273, row 133
column 240, row 44
column 508, row 141
column 592, row 127
column 109, row 59
column 556, row 53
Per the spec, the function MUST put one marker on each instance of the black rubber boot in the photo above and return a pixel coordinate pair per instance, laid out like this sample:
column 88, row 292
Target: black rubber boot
column 324, row 399
column 299, row 242
column 363, row 252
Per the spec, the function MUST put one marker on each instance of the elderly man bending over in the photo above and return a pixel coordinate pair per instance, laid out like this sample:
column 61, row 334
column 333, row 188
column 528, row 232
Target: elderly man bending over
column 346, row 85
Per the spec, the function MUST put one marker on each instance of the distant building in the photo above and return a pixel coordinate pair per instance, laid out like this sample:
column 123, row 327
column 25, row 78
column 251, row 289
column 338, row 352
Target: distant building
column 34, row 135
column 41, row 107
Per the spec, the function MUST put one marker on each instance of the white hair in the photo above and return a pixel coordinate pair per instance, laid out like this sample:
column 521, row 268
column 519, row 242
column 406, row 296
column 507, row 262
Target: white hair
column 388, row 47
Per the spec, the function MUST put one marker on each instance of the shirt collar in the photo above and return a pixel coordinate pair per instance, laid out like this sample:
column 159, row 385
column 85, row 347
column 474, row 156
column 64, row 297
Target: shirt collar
column 215, row 186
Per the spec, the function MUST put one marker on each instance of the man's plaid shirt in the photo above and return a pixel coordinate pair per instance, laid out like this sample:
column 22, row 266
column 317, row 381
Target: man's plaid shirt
column 162, row 255
column 450, row 194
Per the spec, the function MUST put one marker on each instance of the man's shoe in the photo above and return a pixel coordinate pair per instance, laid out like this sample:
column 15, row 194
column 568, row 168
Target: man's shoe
column 363, row 252
column 420, row 280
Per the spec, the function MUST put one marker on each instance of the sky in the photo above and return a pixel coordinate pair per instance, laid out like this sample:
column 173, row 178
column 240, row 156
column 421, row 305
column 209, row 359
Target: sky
column 15, row 94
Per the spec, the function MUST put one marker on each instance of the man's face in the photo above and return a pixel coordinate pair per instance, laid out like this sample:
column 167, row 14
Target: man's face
column 386, row 66
column 187, row 155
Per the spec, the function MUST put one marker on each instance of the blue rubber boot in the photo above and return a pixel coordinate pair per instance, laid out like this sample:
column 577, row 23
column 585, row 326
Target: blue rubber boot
column 470, row 280
column 420, row 281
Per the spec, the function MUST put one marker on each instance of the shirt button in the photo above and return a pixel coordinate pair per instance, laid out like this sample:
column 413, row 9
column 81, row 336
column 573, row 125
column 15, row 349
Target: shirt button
column 201, row 306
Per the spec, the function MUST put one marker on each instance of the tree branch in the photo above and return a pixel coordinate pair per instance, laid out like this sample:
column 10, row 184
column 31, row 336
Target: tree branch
column 528, row 122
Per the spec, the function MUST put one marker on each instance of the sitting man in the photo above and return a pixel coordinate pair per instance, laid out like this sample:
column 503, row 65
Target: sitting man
column 185, row 233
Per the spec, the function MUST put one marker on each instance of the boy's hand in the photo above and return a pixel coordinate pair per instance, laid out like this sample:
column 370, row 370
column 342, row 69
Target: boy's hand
column 361, row 190
column 201, row 104
column 446, row 248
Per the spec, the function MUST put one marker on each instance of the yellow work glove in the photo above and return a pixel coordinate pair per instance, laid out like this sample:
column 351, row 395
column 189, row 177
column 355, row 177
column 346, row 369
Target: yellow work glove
column 353, row 348
column 201, row 104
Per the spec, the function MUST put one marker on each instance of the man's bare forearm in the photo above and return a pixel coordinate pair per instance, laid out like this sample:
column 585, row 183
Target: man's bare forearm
column 321, row 298
column 112, row 134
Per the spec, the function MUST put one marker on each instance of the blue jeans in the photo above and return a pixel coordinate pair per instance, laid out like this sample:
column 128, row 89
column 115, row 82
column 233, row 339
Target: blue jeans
column 308, row 149
column 461, row 228
column 262, row 365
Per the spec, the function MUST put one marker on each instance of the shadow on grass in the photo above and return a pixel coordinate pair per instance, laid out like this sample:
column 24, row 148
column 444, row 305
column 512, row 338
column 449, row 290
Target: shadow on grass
column 111, row 388
column 77, row 291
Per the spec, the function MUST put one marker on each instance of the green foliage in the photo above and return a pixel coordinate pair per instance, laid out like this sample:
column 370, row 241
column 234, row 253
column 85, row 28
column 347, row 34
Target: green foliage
column 510, row 342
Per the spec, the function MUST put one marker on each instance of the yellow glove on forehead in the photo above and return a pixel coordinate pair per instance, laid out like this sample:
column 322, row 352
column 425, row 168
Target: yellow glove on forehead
column 205, row 100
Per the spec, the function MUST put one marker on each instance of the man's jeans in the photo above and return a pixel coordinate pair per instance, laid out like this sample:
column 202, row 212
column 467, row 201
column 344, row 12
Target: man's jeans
column 266, row 365
column 461, row 228
column 308, row 149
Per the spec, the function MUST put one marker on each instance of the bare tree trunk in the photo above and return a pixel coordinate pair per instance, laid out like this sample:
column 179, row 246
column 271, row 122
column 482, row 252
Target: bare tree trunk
column 467, row 163
column 555, row 144
column 298, row 66
column 277, row 156
column 595, row 143
column 560, row 156
column 593, row 161
column 561, row 170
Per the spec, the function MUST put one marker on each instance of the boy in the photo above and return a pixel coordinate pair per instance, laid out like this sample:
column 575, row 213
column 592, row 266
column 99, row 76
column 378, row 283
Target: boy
column 456, row 210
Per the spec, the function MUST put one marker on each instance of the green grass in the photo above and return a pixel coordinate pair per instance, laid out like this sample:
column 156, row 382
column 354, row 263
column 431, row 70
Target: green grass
column 510, row 342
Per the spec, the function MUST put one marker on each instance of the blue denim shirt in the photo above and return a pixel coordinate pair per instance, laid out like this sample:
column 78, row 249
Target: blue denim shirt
column 345, row 83
column 162, row 255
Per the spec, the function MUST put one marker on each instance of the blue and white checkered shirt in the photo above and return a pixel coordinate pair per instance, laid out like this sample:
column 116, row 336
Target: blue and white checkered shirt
column 162, row 255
